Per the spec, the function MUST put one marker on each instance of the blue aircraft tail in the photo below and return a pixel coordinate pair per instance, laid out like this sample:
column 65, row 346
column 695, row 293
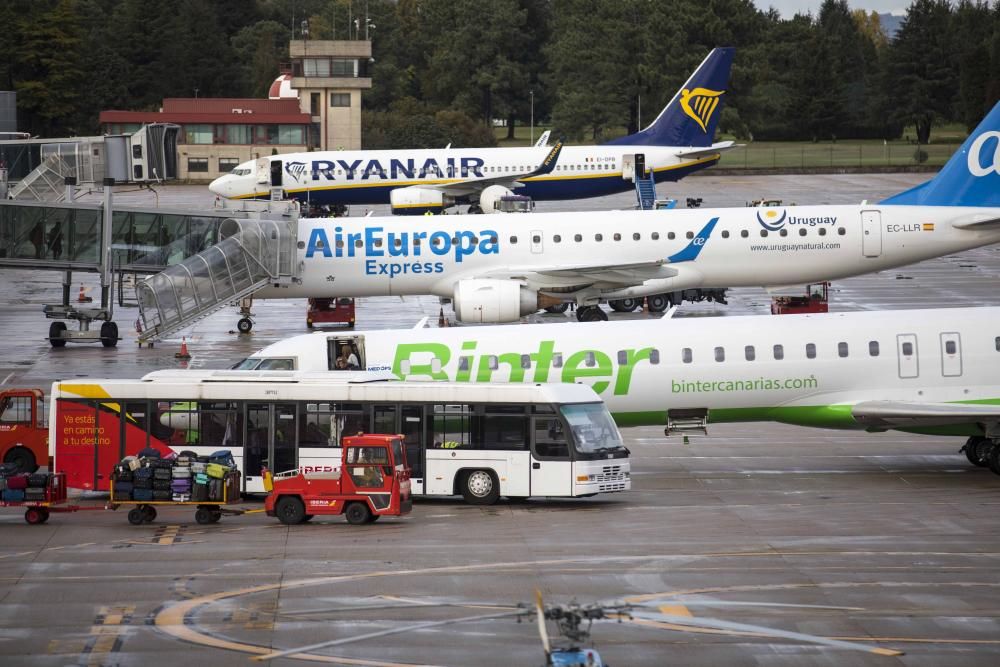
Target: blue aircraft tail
column 970, row 178
column 690, row 118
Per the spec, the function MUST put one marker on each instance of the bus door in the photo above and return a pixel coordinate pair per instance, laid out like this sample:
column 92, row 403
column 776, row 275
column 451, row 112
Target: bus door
column 551, row 467
column 412, row 427
column 270, row 441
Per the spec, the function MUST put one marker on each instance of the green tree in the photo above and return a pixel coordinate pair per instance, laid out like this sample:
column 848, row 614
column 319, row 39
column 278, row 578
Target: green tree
column 260, row 49
column 971, row 34
column 921, row 68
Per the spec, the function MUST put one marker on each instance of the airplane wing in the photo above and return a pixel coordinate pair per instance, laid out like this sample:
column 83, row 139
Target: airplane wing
column 709, row 150
column 624, row 273
column 473, row 185
column 913, row 414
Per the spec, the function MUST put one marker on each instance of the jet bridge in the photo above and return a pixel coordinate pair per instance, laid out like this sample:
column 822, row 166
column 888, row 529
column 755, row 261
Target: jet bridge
column 251, row 255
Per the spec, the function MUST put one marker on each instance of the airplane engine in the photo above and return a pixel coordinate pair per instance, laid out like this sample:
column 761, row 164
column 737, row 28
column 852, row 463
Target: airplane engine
column 486, row 300
column 417, row 201
column 489, row 198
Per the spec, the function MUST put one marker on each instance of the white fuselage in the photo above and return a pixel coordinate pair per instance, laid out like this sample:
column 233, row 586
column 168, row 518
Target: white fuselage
column 800, row 369
column 430, row 254
column 367, row 177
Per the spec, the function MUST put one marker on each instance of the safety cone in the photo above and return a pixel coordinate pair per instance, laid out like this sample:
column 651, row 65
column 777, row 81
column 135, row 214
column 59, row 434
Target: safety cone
column 83, row 298
column 441, row 320
column 183, row 354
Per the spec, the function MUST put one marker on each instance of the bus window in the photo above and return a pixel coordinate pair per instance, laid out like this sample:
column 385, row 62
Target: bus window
column 550, row 438
column 316, row 424
column 276, row 365
column 593, row 430
column 450, row 427
column 509, row 431
column 347, row 424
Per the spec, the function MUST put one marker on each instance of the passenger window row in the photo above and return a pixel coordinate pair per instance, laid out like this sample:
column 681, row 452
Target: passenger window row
column 778, row 352
column 655, row 236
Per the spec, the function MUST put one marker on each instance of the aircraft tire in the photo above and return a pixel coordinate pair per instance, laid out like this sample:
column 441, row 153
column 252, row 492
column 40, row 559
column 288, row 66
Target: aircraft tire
column 976, row 450
column 244, row 325
column 109, row 334
column 558, row 308
column 624, row 305
column 993, row 458
column 56, row 330
column 658, row 302
column 594, row 314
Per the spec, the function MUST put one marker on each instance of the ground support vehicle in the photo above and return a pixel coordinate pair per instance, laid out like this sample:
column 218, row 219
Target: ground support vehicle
column 331, row 311
column 816, row 300
column 37, row 511
column 24, row 436
column 373, row 481
column 207, row 511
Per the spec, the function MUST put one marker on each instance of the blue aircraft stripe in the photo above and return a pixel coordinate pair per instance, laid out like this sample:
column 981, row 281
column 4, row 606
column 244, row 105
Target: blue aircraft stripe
column 690, row 252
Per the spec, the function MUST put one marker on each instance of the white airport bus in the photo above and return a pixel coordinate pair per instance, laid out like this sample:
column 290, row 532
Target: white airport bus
column 478, row 441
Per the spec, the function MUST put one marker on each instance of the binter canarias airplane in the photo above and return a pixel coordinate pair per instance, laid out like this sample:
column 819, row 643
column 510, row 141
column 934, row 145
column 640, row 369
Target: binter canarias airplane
column 499, row 268
column 678, row 142
column 922, row 371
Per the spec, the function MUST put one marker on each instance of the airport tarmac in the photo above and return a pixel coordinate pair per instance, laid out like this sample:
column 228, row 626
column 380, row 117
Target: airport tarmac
column 889, row 539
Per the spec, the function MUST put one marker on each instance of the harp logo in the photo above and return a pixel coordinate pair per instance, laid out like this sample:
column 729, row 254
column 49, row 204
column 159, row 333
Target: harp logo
column 295, row 170
column 700, row 104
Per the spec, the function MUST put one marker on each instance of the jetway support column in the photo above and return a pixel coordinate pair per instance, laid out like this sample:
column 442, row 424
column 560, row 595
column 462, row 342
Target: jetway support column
column 106, row 268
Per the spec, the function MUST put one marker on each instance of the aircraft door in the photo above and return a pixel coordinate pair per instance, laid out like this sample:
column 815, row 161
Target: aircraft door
column 263, row 171
column 906, row 350
column 412, row 428
column 536, row 241
column 276, row 173
column 951, row 354
column 871, row 233
column 628, row 167
column 335, row 353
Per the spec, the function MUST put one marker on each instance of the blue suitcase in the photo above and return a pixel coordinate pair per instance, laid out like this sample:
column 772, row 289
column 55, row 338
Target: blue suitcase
column 13, row 496
column 143, row 495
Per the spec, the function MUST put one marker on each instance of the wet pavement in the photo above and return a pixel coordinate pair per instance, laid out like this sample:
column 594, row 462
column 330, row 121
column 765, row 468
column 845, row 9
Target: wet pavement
column 888, row 539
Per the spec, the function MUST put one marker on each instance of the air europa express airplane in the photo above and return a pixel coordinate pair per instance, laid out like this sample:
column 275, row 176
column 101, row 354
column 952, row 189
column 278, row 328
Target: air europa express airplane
column 499, row 268
column 677, row 143
column 924, row 371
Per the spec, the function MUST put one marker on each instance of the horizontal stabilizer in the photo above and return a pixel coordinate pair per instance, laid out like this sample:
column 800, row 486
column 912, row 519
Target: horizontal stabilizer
column 977, row 222
column 911, row 414
column 719, row 147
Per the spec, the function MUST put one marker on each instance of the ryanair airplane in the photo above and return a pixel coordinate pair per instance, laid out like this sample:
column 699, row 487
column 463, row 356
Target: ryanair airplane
column 679, row 142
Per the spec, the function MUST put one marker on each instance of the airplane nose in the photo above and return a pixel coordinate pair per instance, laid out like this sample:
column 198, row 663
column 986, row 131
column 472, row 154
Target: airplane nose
column 219, row 186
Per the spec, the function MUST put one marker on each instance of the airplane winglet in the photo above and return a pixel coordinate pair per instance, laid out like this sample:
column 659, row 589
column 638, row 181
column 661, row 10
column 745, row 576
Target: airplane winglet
column 692, row 250
column 549, row 163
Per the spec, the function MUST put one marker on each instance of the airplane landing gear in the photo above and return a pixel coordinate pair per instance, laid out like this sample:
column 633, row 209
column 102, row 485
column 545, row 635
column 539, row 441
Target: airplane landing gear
column 244, row 325
column 246, row 322
column 977, row 450
column 591, row 314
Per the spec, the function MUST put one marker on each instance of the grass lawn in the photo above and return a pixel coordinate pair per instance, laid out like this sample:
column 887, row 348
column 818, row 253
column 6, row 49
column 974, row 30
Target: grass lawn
column 945, row 140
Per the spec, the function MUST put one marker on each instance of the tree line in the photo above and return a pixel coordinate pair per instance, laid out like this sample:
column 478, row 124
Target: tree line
column 445, row 69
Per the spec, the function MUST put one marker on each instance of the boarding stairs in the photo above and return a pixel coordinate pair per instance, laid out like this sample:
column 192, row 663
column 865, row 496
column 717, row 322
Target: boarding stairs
column 645, row 191
column 46, row 183
column 252, row 254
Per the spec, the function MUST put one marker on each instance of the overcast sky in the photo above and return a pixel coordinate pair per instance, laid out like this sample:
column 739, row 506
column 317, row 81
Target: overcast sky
column 789, row 8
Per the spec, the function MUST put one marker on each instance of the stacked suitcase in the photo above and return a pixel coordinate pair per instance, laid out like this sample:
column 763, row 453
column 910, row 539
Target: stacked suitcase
column 180, row 479
column 21, row 487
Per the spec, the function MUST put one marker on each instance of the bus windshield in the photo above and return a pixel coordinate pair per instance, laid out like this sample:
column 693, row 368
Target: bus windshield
column 594, row 432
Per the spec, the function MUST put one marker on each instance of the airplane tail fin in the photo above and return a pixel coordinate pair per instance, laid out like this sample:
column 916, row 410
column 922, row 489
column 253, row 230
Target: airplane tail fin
column 970, row 178
column 691, row 116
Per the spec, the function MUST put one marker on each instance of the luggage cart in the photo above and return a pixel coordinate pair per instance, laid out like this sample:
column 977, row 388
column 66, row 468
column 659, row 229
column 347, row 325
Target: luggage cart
column 38, row 511
column 208, row 511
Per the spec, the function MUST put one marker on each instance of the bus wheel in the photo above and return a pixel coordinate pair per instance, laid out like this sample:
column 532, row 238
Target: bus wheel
column 289, row 510
column 480, row 487
column 35, row 515
column 22, row 458
column 358, row 514
column 136, row 516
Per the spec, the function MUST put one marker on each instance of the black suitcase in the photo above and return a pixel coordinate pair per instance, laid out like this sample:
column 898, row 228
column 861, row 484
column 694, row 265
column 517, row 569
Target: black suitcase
column 143, row 473
column 34, row 494
column 162, row 494
column 161, row 473
column 199, row 493
column 215, row 489
column 161, row 484
column 142, row 483
column 38, row 480
column 8, row 469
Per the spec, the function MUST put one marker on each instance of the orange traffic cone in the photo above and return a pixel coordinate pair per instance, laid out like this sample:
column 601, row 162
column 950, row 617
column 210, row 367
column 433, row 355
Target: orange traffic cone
column 183, row 354
column 83, row 298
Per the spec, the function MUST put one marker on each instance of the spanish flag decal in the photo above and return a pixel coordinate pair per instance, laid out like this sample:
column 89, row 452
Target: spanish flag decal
column 928, row 226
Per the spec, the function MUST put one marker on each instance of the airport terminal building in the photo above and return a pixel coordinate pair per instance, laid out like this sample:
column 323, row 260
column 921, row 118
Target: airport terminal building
column 314, row 105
